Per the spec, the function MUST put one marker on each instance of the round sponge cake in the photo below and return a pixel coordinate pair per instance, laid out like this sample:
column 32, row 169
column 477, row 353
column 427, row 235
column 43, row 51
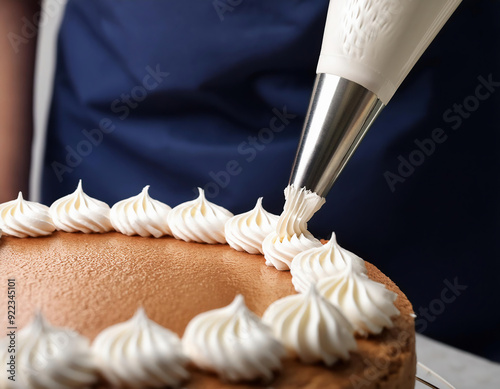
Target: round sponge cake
column 91, row 281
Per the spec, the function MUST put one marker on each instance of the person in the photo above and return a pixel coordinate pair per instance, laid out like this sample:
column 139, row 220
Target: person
column 16, row 95
column 180, row 95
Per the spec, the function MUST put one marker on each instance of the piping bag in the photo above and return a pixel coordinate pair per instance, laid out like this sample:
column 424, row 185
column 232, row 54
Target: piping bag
column 369, row 47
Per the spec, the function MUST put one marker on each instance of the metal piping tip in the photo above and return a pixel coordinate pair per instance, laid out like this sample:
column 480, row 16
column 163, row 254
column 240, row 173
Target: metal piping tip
column 339, row 115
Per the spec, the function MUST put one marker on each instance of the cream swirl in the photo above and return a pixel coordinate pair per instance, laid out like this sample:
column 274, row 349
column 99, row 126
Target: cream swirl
column 78, row 212
column 247, row 231
column 141, row 215
column 199, row 221
column 312, row 265
column 291, row 236
column 367, row 304
column 280, row 252
column 140, row 353
column 49, row 357
column 234, row 343
column 311, row 327
column 22, row 218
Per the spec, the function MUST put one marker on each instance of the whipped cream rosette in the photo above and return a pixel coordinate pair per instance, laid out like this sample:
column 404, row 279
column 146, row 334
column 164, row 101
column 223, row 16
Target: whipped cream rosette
column 311, row 328
column 291, row 236
column 48, row 357
column 22, row 218
column 78, row 212
column 247, row 231
column 234, row 343
column 140, row 353
column 199, row 221
column 314, row 264
column 141, row 215
column 367, row 304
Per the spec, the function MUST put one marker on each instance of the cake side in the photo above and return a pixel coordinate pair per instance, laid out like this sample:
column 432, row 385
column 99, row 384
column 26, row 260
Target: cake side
column 89, row 282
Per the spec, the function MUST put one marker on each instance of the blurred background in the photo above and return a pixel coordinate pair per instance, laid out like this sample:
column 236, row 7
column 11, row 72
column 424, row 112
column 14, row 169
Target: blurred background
column 441, row 248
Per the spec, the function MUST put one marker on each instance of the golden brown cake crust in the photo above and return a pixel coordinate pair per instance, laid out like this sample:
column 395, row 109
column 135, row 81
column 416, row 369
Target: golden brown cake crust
column 89, row 282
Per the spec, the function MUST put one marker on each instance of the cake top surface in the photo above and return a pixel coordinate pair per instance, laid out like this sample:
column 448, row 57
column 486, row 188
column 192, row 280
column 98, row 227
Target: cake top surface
column 93, row 281
column 89, row 282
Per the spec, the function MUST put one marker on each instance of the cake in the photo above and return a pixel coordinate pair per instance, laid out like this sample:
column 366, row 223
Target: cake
column 91, row 281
